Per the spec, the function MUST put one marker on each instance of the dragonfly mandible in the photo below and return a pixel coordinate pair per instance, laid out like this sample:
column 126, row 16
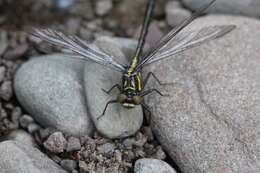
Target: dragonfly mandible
column 132, row 89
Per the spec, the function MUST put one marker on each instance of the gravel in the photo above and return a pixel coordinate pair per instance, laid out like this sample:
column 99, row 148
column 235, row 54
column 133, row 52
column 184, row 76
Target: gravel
column 2, row 73
column 6, row 92
column 33, row 127
column 73, row 144
column 55, row 143
column 68, row 165
column 103, row 7
column 76, row 149
column 17, row 52
column 25, row 120
column 106, row 148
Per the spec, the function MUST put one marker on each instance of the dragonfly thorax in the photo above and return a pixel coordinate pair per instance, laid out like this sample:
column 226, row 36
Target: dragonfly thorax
column 131, row 84
column 131, row 90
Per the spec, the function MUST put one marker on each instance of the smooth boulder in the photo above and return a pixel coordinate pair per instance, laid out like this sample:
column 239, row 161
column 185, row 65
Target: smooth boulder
column 211, row 123
column 118, row 122
column 239, row 7
column 51, row 89
column 15, row 157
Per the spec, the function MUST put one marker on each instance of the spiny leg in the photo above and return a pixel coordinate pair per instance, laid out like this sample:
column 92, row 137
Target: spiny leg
column 104, row 111
column 115, row 86
column 144, row 93
column 149, row 75
column 147, row 117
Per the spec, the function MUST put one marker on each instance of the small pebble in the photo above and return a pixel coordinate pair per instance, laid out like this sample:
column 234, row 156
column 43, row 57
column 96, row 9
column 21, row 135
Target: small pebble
column 17, row 52
column 128, row 143
column 83, row 167
column 6, row 91
column 141, row 140
column 33, row 127
column 106, row 148
column 103, row 7
column 129, row 156
column 118, row 156
column 44, row 133
column 139, row 152
column 63, row 4
column 2, row 73
column 55, row 143
column 159, row 154
column 3, row 113
column 25, row 120
column 148, row 133
column 16, row 113
column 82, row 8
column 152, row 166
column 3, row 41
column 68, row 165
column 73, row 144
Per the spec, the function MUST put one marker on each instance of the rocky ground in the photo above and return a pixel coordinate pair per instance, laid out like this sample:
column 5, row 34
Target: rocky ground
column 49, row 102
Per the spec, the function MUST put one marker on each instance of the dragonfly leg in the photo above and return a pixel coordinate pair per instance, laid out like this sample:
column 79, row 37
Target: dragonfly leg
column 149, row 75
column 104, row 111
column 144, row 93
column 115, row 86
column 147, row 117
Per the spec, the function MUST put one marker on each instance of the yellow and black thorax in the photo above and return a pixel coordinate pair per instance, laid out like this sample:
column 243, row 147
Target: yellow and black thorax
column 131, row 81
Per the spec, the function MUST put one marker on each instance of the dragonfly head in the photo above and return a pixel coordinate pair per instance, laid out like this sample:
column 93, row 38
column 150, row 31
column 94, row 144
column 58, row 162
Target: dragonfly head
column 121, row 98
column 129, row 101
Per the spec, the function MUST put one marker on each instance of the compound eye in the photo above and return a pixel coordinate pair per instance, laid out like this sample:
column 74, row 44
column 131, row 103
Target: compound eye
column 137, row 100
column 121, row 98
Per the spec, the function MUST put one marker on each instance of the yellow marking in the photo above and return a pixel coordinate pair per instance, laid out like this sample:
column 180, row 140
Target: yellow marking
column 133, row 65
column 125, row 83
column 132, row 88
column 138, row 77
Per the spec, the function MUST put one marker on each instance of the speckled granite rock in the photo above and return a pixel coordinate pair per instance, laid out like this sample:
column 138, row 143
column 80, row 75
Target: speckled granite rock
column 211, row 122
column 50, row 89
column 239, row 7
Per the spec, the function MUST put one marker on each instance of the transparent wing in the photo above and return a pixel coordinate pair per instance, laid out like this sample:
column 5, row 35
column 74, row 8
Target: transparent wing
column 78, row 46
column 189, row 40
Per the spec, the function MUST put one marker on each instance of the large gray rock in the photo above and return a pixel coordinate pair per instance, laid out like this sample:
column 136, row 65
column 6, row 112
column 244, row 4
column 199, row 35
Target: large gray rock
column 50, row 89
column 118, row 121
column 211, row 122
column 121, row 47
column 16, row 157
column 241, row 7
column 175, row 14
column 152, row 166
column 22, row 137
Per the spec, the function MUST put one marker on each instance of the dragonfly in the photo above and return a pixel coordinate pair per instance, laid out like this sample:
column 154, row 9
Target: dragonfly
column 132, row 88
